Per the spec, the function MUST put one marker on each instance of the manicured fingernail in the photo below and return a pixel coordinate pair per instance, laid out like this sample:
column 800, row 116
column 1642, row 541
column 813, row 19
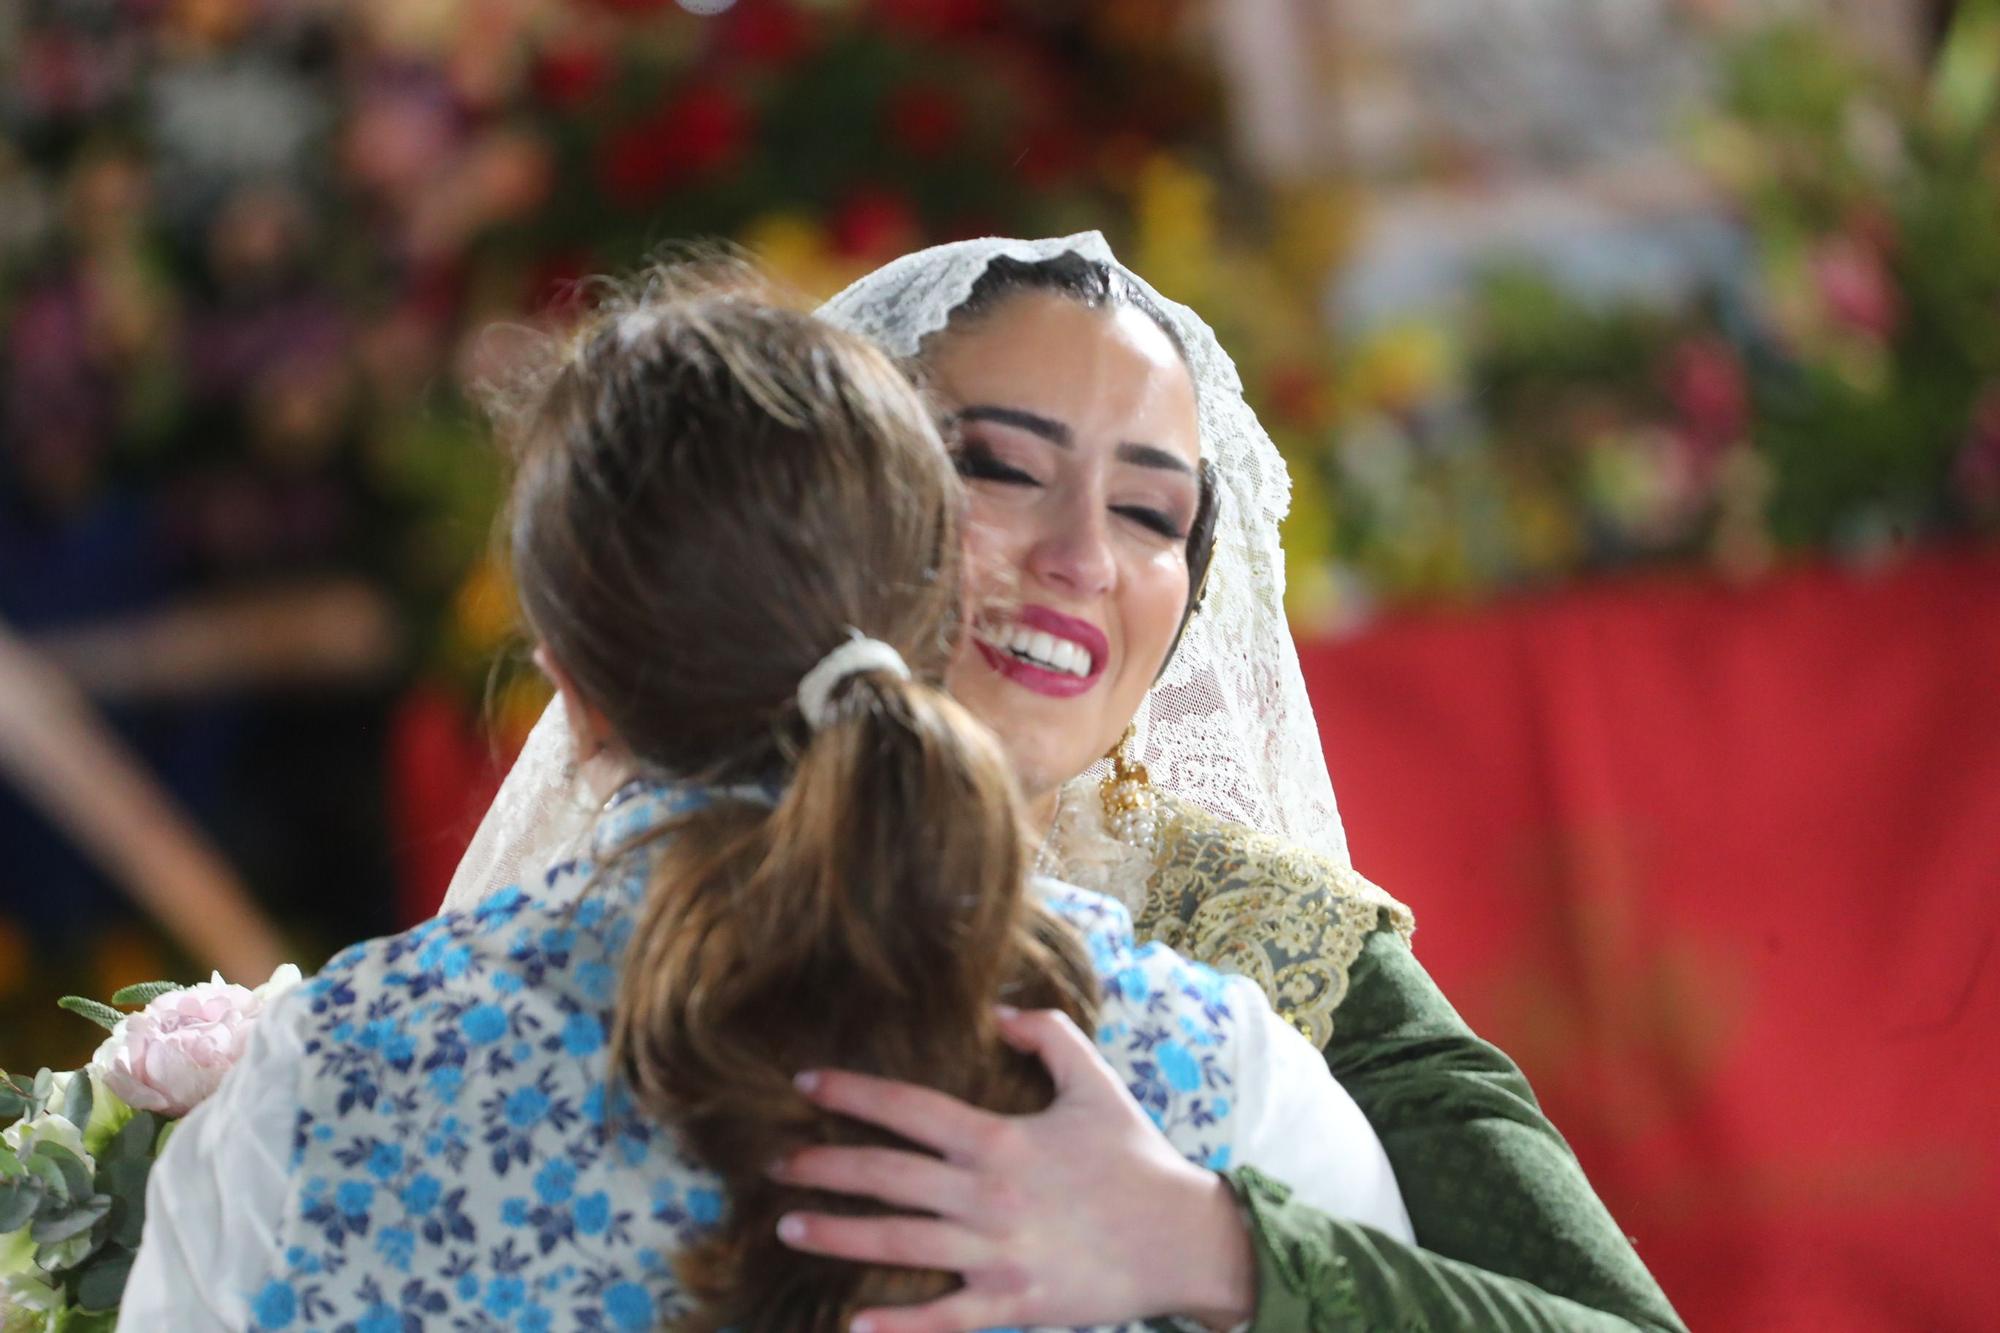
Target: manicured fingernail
column 862, row 1324
column 806, row 1080
column 791, row 1228
column 1006, row 1011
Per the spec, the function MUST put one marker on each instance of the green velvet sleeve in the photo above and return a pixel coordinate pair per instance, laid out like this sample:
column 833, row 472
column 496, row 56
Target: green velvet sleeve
column 1510, row 1234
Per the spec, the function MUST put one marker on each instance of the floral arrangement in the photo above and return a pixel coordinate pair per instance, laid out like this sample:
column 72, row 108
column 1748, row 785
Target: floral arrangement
column 246, row 249
column 1839, row 395
column 75, row 1161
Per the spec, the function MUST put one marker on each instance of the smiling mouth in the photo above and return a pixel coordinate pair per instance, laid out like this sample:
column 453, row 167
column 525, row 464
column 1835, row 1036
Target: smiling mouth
column 1044, row 651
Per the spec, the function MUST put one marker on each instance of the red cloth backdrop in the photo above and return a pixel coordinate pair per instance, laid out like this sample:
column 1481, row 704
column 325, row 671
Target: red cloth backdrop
column 1721, row 870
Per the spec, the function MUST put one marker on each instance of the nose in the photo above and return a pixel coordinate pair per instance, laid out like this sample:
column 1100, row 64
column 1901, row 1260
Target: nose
column 1073, row 552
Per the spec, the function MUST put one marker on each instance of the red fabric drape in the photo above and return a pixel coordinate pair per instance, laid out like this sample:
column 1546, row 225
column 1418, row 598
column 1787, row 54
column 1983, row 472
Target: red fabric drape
column 1721, row 869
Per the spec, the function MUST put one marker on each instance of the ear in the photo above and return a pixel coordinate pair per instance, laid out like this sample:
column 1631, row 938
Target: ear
column 590, row 727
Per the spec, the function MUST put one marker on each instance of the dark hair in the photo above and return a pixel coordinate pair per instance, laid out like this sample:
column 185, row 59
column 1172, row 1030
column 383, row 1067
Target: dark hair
column 1097, row 285
column 712, row 491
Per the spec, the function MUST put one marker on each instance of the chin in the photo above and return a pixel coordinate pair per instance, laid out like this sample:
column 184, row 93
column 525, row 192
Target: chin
column 1039, row 736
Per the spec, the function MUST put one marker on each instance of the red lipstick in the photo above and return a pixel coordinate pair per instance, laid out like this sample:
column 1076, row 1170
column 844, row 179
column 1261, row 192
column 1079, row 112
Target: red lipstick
column 1054, row 684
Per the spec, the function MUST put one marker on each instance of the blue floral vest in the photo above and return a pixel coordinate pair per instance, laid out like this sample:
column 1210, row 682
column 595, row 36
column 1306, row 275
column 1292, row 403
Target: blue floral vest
column 449, row 1165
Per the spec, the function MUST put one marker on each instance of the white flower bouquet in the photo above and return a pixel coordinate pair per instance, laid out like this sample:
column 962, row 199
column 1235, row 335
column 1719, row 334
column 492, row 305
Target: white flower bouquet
column 80, row 1145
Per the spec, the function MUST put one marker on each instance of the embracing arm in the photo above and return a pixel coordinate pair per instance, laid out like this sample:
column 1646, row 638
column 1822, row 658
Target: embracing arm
column 1512, row 1236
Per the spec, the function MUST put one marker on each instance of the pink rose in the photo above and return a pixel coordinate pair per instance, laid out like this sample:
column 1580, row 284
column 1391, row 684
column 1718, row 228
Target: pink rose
column 173, row 1053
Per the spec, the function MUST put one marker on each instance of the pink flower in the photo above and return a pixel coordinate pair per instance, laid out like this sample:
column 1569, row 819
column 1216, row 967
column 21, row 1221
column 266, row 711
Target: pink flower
column 1977, row 470
column 1710, row 394
column 172, row 1054
column 1857, row 287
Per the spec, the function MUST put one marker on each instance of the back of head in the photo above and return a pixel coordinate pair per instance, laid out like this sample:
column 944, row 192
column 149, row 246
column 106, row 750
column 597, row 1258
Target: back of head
column 713, row 492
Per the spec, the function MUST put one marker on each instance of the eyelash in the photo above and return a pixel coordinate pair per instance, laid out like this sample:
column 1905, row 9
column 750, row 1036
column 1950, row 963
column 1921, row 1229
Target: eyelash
column 978, row 464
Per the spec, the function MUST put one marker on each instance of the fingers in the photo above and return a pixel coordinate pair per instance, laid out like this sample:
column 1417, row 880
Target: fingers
column 918, row 1114
column 964, row 1311
column 901, row 1242
column 902, row 1179
column 1070, row 1055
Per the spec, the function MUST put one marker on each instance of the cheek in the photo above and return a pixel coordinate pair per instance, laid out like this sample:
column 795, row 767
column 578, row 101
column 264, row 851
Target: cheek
column 1155, row 595
column 993, row 557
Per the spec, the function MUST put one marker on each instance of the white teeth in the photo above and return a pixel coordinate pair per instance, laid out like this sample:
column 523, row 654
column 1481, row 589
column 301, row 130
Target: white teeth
column 1047, row 651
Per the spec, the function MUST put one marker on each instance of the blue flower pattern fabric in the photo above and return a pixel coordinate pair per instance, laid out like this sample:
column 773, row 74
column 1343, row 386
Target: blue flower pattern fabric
column 461, row 1162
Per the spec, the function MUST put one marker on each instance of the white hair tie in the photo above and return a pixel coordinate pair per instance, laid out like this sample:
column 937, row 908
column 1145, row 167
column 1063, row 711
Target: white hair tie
column 857, row 655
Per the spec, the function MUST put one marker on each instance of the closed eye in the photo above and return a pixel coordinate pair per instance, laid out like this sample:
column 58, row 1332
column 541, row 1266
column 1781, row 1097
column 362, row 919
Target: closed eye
column 975, row 462
column 1154, row 519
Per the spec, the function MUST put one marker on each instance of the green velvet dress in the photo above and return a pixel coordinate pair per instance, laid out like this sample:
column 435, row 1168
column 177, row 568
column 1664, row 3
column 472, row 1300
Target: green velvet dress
column 1510, row 1234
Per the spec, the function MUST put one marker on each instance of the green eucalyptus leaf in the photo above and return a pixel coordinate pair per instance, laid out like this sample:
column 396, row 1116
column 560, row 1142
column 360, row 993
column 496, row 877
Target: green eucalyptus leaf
column 76, row 1106
column 38, row 1097
column 128, row 1214
column 134, row 1140
column 146, row 992
column 13, row 1100
column 101, row 1014
column 126, row 1182
column 19, row 1200
column 100, row 1285
column 45, row 1168
column 72, row 1222
column 75, row 1175
column 124, row 1179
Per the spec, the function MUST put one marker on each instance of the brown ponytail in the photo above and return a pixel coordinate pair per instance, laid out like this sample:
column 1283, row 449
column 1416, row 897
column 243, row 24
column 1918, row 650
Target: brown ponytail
column 870, row 922
column 713, row 492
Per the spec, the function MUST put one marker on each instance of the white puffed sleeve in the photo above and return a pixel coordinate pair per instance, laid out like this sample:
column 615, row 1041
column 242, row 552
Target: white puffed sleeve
column 217, row 1194
column 1295, row 1123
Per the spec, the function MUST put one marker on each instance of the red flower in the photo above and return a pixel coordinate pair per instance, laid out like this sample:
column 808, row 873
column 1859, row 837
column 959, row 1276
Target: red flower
column 935, row 18
column 764, row 32
column 555, row 283
column 1707, row 387
column 568, row 74
column 925, row 122
column 875, row 225
column 699, row 135
column 1297, row 394
column 1046, row 155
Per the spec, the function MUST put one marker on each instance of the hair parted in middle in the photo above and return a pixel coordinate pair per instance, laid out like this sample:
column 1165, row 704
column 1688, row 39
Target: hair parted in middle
column 713, row 491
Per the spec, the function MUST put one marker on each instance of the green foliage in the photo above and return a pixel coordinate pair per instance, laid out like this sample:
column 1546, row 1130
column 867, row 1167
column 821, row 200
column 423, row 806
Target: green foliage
column 99, row 1013
column 1842, row 395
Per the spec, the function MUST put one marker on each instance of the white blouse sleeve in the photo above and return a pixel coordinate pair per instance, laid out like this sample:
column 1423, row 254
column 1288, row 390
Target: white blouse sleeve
column 217, row 1194
column 1297, row 1124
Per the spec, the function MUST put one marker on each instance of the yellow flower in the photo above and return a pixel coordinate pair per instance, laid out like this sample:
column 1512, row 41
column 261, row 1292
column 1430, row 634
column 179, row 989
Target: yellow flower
column 484, row 608
column 1402, row 366
column 795, row 249
column 1175, row 214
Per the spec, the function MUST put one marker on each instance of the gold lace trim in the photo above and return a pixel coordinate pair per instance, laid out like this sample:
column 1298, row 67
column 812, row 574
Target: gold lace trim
column 1250, row 903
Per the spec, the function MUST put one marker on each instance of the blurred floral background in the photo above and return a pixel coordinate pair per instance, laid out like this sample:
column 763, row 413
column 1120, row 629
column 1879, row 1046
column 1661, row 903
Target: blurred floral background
column 1569, row 295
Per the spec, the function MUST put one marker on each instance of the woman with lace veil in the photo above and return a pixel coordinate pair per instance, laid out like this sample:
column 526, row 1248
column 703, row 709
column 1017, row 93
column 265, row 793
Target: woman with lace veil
column 1144, row 684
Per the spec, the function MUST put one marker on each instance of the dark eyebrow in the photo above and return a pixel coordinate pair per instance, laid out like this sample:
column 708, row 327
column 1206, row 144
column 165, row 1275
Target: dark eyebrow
column 1146, row 455
column 1058, row 434
column 1055, row 432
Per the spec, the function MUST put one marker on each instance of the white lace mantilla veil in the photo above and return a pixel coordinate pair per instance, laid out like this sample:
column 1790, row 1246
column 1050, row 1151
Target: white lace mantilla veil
column 1228, row 727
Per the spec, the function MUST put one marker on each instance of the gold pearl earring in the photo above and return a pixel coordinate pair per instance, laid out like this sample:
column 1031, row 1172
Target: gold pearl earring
column 1131, row 806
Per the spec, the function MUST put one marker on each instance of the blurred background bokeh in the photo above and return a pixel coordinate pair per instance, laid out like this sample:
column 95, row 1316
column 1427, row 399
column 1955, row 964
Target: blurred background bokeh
column 1637, row 363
